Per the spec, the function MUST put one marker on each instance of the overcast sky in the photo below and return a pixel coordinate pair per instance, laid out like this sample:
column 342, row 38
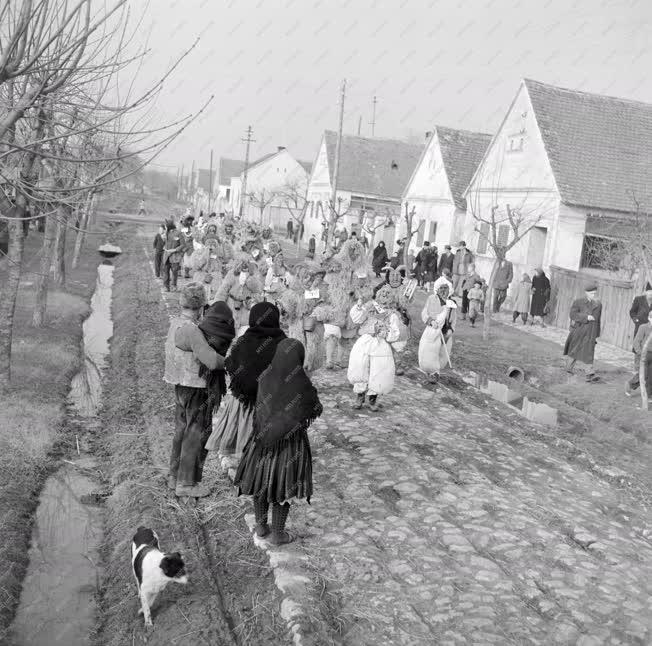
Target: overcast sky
column 277, row 65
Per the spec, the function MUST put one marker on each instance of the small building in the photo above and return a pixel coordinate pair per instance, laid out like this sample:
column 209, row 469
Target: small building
column 436, row 188
column 226, row 170
column 269, row 181
column 573, row 168
column 372, row 176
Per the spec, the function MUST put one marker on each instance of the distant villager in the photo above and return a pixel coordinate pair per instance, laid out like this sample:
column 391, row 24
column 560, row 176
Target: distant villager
column 540, row 296
column 585, row 316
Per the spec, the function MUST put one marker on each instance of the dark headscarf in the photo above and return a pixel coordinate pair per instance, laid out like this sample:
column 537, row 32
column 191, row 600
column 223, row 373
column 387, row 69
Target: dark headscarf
column 380, row 249
column 219, row 330
column 287, row 401
column 254, row 351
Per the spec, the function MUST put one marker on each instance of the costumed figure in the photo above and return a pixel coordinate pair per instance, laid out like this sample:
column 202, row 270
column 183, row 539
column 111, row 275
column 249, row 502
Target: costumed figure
column 398, row 301
column 304, row 293
column 371, row 362
column 250, row 355
column 209, row 264
column 347, row 281
column 439, row 317
column 277, row 278
column 241, row 289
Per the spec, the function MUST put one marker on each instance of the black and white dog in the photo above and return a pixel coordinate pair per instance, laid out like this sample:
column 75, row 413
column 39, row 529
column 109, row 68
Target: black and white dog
column 153, row 569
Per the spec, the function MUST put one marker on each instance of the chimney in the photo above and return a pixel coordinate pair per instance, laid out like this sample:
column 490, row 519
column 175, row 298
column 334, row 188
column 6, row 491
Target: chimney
column 280, row 148
column 428, row 134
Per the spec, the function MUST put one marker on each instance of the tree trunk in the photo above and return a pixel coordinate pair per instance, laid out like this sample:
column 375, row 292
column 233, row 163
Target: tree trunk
column 645, row 387
column 10, row 292
column 43, row 277
column 83, row 227
column 59, row 261
column 488, row 304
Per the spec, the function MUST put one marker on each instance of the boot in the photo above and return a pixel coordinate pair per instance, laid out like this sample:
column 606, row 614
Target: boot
column 188, row 491
column 261, row 508
column 373, row 403
column 278, row 535
column 359, row 402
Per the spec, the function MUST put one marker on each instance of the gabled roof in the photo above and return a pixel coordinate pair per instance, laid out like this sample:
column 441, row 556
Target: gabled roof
column 461, row 151
column 260, row 160
column 599, row 147
column 203, row 179
column 380, row 167
column 307, row 166
column 229, row 168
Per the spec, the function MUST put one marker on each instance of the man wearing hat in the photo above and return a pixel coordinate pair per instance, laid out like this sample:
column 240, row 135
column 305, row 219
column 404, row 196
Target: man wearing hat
column 186, row 349
column 641, row 307
column 171, row 254
column 446, row 261
column 585, row 315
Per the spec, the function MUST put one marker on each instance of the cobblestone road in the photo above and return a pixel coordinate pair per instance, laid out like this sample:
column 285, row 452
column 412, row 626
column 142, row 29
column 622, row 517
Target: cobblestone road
column 438, row 521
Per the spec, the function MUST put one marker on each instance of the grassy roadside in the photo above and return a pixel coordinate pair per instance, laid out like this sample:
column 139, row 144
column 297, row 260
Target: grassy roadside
column 232, row 597
column 33, row 419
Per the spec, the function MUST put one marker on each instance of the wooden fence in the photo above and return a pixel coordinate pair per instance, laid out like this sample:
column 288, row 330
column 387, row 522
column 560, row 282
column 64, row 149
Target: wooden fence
column 615, row 294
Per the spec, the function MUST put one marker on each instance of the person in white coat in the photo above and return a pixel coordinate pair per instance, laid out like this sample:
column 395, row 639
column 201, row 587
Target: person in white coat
column 371, row 362
column 436, row 344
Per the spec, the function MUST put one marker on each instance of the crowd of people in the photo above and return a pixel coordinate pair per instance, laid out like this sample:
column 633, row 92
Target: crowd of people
column 252, row 330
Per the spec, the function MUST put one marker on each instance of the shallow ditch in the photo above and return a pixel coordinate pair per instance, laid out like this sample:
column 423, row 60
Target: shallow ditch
column 58, row 599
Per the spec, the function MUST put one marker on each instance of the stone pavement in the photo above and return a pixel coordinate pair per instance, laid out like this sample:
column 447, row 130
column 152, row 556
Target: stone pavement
column 439, row 521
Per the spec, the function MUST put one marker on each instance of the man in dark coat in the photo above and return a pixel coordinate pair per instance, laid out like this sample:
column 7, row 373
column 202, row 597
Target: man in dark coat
column 463, row 258
column 503, row 278
column 172, row 255
column 312, row 246
column 644, row 331
column 447, row 259
column 640, row 308
column 159, row 247
column 585, row 315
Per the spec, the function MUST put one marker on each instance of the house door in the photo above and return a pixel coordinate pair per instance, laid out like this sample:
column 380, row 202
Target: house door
column 537, row 250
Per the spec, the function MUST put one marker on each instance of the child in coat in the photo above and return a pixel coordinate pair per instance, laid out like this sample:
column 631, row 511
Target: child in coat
column 522, row 299
column 475, row 296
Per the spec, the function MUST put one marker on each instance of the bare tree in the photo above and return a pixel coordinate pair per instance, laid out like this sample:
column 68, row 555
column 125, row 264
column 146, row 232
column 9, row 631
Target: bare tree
column 261, row 198
column 294, row 196
column 333, row 215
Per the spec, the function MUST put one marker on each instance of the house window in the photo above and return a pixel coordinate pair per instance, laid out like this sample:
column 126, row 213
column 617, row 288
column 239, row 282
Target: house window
column 599, row 252
column 503, row 235
column 483, row 238
column 433, row 233
column 420, row 232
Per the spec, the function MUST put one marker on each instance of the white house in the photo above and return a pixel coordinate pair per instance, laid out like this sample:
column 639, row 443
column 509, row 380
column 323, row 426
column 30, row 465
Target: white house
column 372, row 176
column 436, row 188
column 268, row 180
column 567, row 162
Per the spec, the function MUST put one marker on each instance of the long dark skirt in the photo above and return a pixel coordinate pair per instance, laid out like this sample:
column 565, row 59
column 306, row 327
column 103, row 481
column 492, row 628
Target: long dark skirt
column 283, row 471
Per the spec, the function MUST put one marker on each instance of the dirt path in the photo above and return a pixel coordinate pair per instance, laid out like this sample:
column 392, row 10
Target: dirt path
column 231, row 598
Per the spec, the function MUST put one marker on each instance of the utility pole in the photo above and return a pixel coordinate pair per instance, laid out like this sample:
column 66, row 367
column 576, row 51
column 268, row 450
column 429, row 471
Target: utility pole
column 210, row 183
column 191, row 186
column 373, row 118
column 336, row 169
column 243, row 191
column 359, row 124
column 180, row 195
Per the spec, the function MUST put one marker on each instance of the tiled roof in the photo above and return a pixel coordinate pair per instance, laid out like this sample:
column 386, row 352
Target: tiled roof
column 599, row 147
column 260, row 160
column 229, row 168
column 203, row 179
column 462, row 151
column 380, row 167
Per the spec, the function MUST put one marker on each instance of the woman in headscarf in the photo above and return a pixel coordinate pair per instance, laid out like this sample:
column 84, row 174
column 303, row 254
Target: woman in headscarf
column 277, row 462
column 219, row 331
column 540, row 295
column 250, row 355
column 379, row 259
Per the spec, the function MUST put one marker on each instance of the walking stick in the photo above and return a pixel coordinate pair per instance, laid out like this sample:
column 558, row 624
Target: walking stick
column 443, row 340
